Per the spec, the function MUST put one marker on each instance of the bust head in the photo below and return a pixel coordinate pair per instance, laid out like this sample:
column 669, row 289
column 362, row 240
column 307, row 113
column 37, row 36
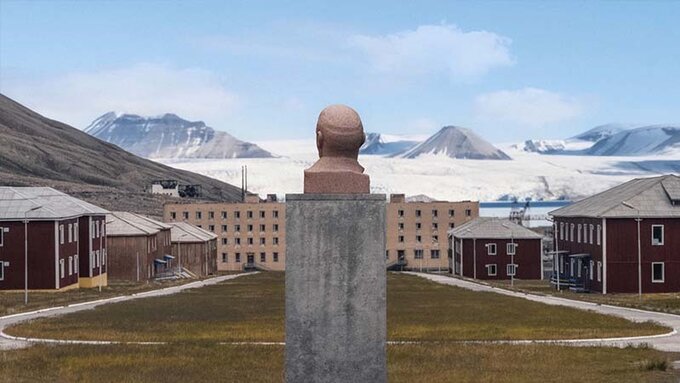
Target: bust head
column 339, row 132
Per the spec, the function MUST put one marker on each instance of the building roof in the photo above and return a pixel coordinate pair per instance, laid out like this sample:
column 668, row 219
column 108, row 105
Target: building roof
column 49, row 204
column 646, row 197
column 121, row 223
column 185, row 232
column 488, row 228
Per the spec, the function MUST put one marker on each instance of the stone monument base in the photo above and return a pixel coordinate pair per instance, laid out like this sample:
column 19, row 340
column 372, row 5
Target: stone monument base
column 335, row 288
column 327, row 182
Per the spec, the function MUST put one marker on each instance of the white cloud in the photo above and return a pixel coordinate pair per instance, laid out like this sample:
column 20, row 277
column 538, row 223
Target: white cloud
column 527, row 106
column 434, row 49
column 146, row 89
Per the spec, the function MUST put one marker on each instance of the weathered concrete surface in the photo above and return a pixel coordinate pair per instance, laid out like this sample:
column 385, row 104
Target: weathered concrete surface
column 335, row 288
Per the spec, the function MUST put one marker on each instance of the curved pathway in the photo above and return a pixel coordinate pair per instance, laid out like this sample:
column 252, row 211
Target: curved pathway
column 663, row 342
column 11, row 342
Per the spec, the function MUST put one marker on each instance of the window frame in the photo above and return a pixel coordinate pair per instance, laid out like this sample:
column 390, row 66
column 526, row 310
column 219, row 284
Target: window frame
column 488, row 248
column 418, row 254
column 488, row 271
column 663, row 272
column 514, row 248
column 663, row 234
column 514, row 269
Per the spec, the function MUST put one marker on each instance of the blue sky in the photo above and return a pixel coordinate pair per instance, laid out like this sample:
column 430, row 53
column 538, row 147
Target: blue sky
column 263, row 70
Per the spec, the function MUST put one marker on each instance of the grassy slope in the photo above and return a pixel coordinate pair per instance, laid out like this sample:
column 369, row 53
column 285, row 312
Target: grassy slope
column 252, row 309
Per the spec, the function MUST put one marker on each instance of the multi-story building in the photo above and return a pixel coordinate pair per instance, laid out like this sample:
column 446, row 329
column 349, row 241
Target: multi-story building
column 495, row 248
column 417, row 231
column 250, row 234
column 50, row 240
column 253, row 233
column 623, row 240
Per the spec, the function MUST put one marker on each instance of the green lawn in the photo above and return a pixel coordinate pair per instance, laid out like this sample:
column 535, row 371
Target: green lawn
column 192, row 362
column 667, row 302
column 251, row 308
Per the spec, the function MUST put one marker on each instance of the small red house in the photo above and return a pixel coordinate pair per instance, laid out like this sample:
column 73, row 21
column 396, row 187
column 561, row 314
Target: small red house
column 623, row 240
column 62, row 237
column 494, row 248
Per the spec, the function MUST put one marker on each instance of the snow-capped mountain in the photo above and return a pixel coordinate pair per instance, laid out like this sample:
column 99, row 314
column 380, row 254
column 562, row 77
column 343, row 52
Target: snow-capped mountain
column 169, row 136
column 646, row 140
column 603, row 131
column 456, row 142
column 381, row 144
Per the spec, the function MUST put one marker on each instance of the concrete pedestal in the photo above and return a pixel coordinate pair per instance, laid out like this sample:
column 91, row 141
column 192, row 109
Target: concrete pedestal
column 335, row 288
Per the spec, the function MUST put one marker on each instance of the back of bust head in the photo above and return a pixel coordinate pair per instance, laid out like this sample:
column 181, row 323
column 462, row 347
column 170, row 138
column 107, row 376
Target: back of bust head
column 339, row 132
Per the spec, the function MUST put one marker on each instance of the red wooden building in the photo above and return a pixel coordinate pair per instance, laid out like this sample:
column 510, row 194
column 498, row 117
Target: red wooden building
column 494, row 248
column 623, row 240
column 62, row 237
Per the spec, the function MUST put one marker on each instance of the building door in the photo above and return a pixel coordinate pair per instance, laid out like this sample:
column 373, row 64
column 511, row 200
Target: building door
column 251, row 258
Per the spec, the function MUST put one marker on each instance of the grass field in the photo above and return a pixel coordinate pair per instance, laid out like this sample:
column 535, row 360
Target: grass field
column 667, row 302
column 192, row 362
column 251, row 308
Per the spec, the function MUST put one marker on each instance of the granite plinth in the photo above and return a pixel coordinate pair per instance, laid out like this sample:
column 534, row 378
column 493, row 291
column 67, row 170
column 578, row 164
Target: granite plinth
column 335, row 288
column 336, row 183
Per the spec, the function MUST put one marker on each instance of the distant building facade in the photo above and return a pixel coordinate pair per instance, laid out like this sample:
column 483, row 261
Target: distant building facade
column 194, row 249
column 252, row 233
column 139, row 247
column 597, row 238
column 495, row 248
column 65, row 239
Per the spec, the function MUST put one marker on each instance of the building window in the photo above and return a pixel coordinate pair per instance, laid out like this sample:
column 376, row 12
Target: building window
column 491, row 248
column 224, row 257
column 418, row 226
column 275, row 256
column 491, row 270
column 238, row 241
column 61, row 268
column 276, row 213
column 250, row 228
column 276, row 240
column 224, row 241
column 263, row 241
column 401, row 238
column 418, row 213
column 511, row 270
column 435, row 226
column 237, row 228
column 452, row 213
column 276, row 227
column 70, row 232
column 468, row 212
column 452, row 225
column 211, row 228
column 435, row 213
column 435, row 239
column 211, row 215
column 224, row 228
column 511, row 248
column 199, row 215
column 249, row 214
column 263, row 257
column 434, row 254
column 75, row 231
column 263, row 228
column 657, row 235
column 70, row 265
column 571, row 232
column 419, row 238
column 75, row 264
column 562, row 230
column 173, row 215
column 401, row 226
column 185, row 214
column 387, row 254
column 237, row 214
column 592, row 264
column 418, row 254
column 224, row 215
column 250, row 240
column 578, row 233
column 599, row 234
column 262, row 214
column 657, row 272
column 400, row 212
column 592, row 231
column 237, row 258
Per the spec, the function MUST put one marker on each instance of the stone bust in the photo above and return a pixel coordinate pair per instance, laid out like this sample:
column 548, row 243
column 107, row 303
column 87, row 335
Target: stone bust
column 339, row 135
